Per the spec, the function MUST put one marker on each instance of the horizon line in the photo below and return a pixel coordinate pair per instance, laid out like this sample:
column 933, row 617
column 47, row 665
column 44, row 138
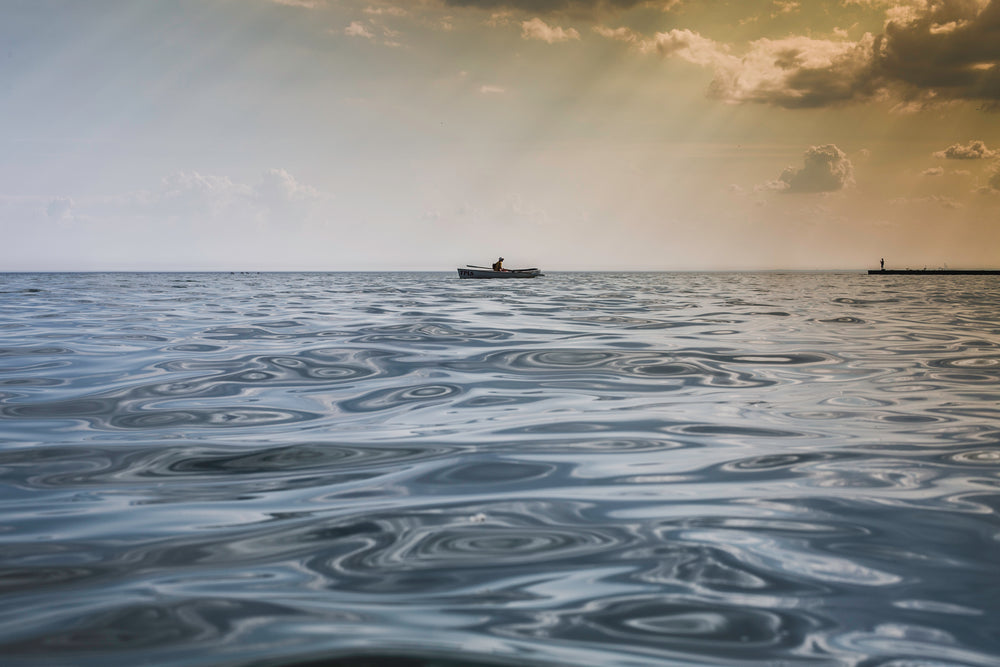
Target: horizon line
column 397, row 270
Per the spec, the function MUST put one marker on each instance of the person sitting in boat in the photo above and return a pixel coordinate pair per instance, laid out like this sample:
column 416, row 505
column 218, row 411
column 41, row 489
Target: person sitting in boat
column 498, row 265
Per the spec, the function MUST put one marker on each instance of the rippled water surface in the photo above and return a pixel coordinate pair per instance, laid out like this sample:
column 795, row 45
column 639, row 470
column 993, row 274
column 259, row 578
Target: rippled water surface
column 581, row 469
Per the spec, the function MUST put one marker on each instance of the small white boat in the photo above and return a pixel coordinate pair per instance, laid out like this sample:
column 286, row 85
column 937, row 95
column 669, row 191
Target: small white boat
column 481, row 272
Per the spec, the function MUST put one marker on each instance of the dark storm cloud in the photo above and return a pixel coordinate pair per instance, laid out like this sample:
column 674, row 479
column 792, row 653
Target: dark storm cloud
column 935, row 51
column 951, row 50
column 945, row 50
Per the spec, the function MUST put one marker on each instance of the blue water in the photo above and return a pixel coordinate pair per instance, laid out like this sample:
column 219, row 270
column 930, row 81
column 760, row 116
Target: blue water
column 581, row 469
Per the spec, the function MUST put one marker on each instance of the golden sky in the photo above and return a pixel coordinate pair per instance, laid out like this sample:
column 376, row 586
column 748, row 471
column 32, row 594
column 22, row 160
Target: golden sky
column 566, row 134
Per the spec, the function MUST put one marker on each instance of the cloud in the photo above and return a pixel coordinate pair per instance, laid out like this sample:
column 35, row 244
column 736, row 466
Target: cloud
column 826, row 169
column 201, row 198
column 933, row 171
column 928, row 52
column 794, row 72
column 536, row 28
column 278, row 191
column 188, row 193
column 900, row 4
column 944, row 49
column 621, row 34
column 60, row 208
column 785, row 7
column 661, row 43
column 692, row 47
column 939, row 200
column 499, row 19
column 386, row 11
column 304, row 4
column 358, row 29
column 492, row 90
column 994, row 181
column 974, row 150
column 550, row 6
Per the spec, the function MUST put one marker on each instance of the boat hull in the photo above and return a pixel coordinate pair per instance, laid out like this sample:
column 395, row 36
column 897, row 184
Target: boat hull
column 485, row 273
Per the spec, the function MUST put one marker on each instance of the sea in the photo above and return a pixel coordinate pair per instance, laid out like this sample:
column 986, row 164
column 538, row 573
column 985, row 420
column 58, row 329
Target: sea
column 270, row 469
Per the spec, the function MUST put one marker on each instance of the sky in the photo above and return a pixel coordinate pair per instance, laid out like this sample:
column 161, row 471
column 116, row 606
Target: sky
column 245, row 135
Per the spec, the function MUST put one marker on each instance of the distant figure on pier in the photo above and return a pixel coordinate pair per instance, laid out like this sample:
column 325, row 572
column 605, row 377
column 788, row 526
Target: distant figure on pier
column 882, row 263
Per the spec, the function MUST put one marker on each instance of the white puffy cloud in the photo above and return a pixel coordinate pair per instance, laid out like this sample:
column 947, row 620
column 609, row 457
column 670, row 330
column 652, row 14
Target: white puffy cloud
column 932, row 171
column 974, row 150
column 536, row 28
column 692, row 47
column 358, row 29
column 825, row 169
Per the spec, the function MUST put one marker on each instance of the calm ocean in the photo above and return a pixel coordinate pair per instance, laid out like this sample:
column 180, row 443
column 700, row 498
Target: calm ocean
column 581, row 469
